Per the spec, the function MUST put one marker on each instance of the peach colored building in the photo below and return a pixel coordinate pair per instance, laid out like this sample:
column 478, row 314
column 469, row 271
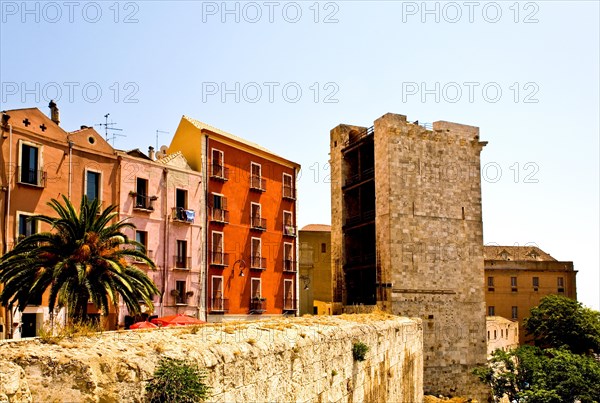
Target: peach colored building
column 250, row 227
column 502, row 334
column 41, row 161
column 518, row 277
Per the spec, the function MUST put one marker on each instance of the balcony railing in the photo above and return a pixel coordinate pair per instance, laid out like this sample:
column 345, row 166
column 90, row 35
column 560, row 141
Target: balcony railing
column 219, row 259
column 34, row 177
column 219, row 172
column 289, row 304
column 289, row 230
column 359, row 177
column 143, row 202
column 219, row 216
column 182, row 262
column 257, row 183
column 258, row 305
column 289, row 192
column 180, row 214
column 364, row 134
column 364, row 216
column 258, row 263
column 289, row 266
column 219, row 305
column 258, row 223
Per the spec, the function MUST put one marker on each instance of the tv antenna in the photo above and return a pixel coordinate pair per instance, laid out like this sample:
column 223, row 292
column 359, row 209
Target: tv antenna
column 109, row 126
column 157, row 132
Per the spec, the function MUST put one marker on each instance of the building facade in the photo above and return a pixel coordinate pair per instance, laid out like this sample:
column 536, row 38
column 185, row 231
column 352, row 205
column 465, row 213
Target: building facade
column 502, row 334
column 407, row 237
column 518, row 277
column 163, row 198
column 250, row 227
column 42, row 161
column 316, row 277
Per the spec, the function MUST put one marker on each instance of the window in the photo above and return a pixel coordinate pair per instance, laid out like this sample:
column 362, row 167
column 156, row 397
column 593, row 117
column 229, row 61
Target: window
column 560, row 282
column 218, row 257
column 181, row 199
column 536, row 283
column 490, row 283
column 141, row 190
column 288, row 257
column 501, row 333
column 491, row 310
column 181, row 259
column 256, row 221
column 255, row 290
column 288, row 187
column 323, row 247
column 513, row 283
column 142, row 238
column 218, row 170
column 256, row 181
column 514, row 313
column 288, row 295
column 217, row 300
column 180, row 292
column 219, row 208
column 256, row 261
column 27, row 226
column 495, row 334
column 92, row 185
column 29, row 171
column 288, row 224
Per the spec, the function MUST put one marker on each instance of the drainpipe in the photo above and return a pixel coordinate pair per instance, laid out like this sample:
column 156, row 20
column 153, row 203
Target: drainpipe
column 10, row 167
column 205, row 244
column 166, row 243
column 297, row 248
column 70, row 167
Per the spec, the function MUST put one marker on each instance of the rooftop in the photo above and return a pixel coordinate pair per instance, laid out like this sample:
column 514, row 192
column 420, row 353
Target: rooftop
column 317, row 228
column 516, row 253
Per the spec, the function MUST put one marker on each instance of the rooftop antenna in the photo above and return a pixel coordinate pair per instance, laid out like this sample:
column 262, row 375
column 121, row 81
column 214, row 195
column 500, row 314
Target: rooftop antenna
column 107, row 127
column 157, row 132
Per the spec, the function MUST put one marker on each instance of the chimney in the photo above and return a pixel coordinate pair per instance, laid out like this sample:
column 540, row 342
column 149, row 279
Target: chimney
column 151, row 153
column 54, row 114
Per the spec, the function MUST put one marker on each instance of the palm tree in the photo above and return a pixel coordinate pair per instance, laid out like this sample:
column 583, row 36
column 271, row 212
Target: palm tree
column 82, row 260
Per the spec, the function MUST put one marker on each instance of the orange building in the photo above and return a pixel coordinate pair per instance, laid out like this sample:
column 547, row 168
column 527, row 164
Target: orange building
column 518, row 277
column 251, row 248
column 41, row 161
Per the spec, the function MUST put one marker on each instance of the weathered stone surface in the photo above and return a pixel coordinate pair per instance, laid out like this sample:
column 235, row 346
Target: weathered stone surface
column 296, row 359
column 13, row 385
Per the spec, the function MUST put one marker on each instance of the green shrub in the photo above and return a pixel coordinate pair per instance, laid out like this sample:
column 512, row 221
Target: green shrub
column 176, row 381
column 359, row 350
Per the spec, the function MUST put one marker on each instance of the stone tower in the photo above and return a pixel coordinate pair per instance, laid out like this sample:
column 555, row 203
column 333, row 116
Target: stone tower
column 407, row 236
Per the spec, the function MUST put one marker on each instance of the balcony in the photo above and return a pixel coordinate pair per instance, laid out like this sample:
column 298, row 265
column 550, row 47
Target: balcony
column 219, row 259
column 289, row 266
column 258, row 305
column 179, row 214
column 362, row 217
column 258, row 223
column 289, row 193
column 219, row 172
column 33, row 177
column 142, row 202
column 360, row 177
column 182, row 262
column 289, row 230
column 352, row 140
column 219, row 305
column 257, row 183
column 258, row 263
column 289, row 304
column 219, row 216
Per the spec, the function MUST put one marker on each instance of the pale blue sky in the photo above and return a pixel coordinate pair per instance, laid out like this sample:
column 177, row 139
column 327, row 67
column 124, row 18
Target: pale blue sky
column 375, row 59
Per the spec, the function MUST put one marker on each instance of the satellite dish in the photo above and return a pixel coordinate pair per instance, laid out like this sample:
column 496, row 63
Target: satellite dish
column 162, row 152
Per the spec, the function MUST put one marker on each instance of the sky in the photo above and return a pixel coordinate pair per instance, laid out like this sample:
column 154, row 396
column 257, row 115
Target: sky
column 283, row 74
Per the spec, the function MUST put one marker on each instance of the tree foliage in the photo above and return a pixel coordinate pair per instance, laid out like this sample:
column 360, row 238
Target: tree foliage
column 559, row 321
column 85, row 258
column 533, row 375
column 176, row 381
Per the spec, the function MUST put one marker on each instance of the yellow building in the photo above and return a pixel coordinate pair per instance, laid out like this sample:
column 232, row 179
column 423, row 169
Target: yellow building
column 316, row 285
column 518, row 277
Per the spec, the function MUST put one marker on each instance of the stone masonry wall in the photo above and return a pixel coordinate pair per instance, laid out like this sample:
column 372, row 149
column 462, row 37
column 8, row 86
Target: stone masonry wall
column 297, row 359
